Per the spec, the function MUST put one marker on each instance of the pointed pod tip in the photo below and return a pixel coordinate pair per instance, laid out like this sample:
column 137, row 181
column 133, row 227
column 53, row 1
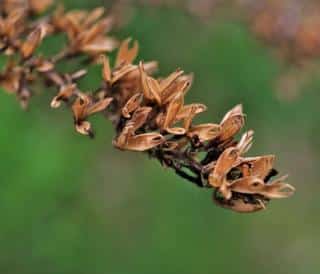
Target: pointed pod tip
column 55, row 103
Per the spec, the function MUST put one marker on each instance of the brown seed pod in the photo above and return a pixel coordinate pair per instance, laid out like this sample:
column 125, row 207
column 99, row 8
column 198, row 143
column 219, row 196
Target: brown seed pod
column 83, row 107
column 254, row 185
column 239, row 205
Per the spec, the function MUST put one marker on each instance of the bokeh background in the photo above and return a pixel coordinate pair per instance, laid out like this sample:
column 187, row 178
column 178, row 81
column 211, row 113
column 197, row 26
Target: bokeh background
column 72, row 205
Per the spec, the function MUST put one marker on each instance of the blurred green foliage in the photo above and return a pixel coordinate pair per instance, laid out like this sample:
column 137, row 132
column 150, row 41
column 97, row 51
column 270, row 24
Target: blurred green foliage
column 72, row 205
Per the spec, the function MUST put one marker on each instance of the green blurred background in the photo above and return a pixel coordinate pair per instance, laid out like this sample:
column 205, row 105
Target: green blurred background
column 72, row 205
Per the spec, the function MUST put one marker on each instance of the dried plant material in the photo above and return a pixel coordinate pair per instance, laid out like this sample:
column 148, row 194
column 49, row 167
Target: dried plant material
column 64, row 94
column 224, row 164
column 258, row 166
column 42, row 65
column 172, row 111
column 86, row 31
column 12, row 27
column 240, row 204
column 193, row 109
column 205, row 132
column 10, row 78
column 149, row 90
column 189, row 113
column 245, row 142
column 127, row 55
column 148, row 113
column 93, row 16
column 143, row 142
column 229, row 158
column 106, row 71
column 139, row 118
column 165, row 83
column 99, row 46
column 232, row 123
column 133, row 103
column 181, row 85
column 83, row 107
column 254, row 185
column 29, row 46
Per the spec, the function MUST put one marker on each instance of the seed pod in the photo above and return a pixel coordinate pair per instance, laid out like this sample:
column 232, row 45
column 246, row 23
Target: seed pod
column 125, row 54
column 148, row 113
column 239, row 205
column 64, row 94
column 132, row 104
column 232, row 123
column 254, row 185
column 205, row 132
column 32, row 42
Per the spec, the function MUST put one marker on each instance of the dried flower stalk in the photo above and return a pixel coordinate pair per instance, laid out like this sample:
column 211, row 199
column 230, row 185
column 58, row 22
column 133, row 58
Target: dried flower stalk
column 148, row 114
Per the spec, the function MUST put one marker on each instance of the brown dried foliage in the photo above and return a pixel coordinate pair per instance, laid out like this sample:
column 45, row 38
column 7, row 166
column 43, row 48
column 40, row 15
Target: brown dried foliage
column 149, row 114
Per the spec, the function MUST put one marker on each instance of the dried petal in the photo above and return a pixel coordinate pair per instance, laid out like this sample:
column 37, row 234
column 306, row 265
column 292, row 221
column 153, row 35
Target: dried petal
column 122, row 72
column 178, row 87
column 245, row 142
column 224, row 189
column 139, row 118
column 64, row 94
column 32, row 42
column 188, row 120
column 79, row 107
column 45, row 66
column 121, row 141
column 254, row 185
column 125, row 54
column 99, row 29
column 232, row 122
column 98, row 106
column 155, row 88
column 224, row 164
column 278, row 189
column 83, row 107
column 150, row 67
column 172, row 111
column 192, row 108
column 132, row 104
column 84, row 128
column 93, row 16
column 148, row 92
column 205, row 132
column 106, row 71
column 165, row 83
column 78, row 74
column 258, row 166
column 143, row 142
column 100, row 45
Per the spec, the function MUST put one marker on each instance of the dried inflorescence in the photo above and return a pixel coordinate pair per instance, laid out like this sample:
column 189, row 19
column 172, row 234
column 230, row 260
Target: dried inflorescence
column 149, row 114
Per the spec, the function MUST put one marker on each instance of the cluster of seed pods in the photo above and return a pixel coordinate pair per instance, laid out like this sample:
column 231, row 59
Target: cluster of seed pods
column 149, row 114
